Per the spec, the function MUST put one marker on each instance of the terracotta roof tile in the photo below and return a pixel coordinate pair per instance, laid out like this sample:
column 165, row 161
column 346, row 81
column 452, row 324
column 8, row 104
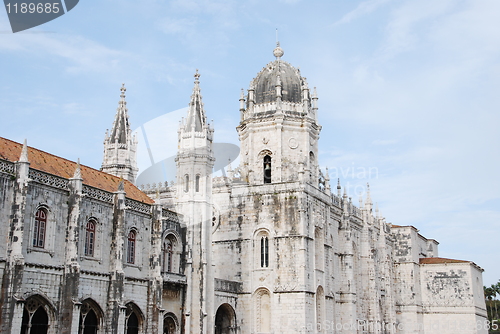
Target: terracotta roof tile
column 440, row 260
column 48, row 163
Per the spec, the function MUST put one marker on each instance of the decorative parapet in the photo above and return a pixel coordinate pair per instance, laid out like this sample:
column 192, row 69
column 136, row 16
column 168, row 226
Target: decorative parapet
column 137, row 206
column 355, row 211
column 174, row 278
column 170, row 215
column 153, row 188
column 7, row 167
column 223, row 285
column 337, row 201
column 48, row 179
column 98, row 194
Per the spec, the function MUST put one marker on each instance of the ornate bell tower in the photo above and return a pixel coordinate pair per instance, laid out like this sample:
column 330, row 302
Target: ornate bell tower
column 120, row 146
column 279, row 130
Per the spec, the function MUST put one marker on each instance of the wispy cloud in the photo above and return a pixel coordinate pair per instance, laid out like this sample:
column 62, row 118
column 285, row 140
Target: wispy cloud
column 363, row 8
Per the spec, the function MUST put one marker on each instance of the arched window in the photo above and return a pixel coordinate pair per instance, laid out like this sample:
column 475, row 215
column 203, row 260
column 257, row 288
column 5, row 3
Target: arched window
column 267, row 169
column 169, row 255
column 35, row 318
column 90, row 238
column 197, row 183
column 264, row 252
column 132, row 319
column 131, row 246
column 171, row 259
column 40, row 228
column 186, row 185
column 170, row 324
column 89, row 318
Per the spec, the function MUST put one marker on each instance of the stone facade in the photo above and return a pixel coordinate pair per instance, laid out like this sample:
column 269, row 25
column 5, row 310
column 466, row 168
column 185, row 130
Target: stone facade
column 268, row 248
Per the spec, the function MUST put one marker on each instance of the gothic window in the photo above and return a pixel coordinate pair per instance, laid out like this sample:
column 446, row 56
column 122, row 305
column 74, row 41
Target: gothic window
column 89, row 318
column 40, row 228
column 264, row 252
column 267, row 169
column 90, row 238
column 197, row 183
column 132, row 319
column 186, row 185
column 131, row 244
column 170, row 254
column 35, row 318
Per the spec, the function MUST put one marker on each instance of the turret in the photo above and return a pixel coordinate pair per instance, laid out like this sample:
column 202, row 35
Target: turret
column 120, row 146
column 195, row 161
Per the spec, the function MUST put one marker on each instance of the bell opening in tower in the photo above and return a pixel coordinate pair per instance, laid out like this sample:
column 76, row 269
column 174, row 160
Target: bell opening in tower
column 267, row 169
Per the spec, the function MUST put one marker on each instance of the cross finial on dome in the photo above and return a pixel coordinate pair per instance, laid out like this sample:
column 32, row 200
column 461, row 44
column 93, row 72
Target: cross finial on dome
column 278, row 51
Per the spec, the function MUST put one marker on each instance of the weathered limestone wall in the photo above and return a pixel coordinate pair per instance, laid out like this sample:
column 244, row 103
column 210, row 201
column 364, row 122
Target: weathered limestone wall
column 451, row 298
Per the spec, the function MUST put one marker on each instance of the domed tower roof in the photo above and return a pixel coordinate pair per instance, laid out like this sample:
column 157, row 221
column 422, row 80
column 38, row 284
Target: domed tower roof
column 278, row 72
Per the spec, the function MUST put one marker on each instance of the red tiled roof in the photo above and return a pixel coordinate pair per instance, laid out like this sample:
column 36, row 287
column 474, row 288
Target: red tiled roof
column 440, row 260
column 48, row 163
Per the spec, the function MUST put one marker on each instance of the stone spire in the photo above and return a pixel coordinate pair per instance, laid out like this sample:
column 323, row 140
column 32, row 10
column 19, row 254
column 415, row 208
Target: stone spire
column 121, row 129
column 24, row 152
column 196, row 116
column 78, row 171
column 120, row 145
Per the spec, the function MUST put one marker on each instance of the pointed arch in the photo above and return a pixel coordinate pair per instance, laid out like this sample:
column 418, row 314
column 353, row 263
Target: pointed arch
column 131, row 245
column 38, row 315
column 40, row 227
column 134, row 319
column 171, row 251
column 91, row 317
column 90, row 237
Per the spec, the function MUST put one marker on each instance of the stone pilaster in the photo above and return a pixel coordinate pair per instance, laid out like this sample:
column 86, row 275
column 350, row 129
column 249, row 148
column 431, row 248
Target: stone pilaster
column 11, row 302
column 116, row 309
column 69, row 290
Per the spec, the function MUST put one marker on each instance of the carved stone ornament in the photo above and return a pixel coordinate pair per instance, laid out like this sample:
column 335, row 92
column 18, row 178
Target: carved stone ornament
column 293, row 143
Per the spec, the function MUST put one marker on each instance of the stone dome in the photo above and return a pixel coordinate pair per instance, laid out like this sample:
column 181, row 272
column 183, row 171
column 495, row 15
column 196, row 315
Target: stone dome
column 266, row 80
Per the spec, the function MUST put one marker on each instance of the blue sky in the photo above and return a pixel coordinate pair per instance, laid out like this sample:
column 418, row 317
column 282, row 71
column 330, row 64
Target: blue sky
column 408, row 92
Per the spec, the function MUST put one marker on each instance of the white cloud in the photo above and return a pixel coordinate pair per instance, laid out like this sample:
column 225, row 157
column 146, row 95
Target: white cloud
column 365, row 7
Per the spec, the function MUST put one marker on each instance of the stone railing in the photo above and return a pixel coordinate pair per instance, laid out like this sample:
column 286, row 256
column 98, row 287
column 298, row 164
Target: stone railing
column 48, row 179
column 7, row 167
column 98, row 194
column 137, row 206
